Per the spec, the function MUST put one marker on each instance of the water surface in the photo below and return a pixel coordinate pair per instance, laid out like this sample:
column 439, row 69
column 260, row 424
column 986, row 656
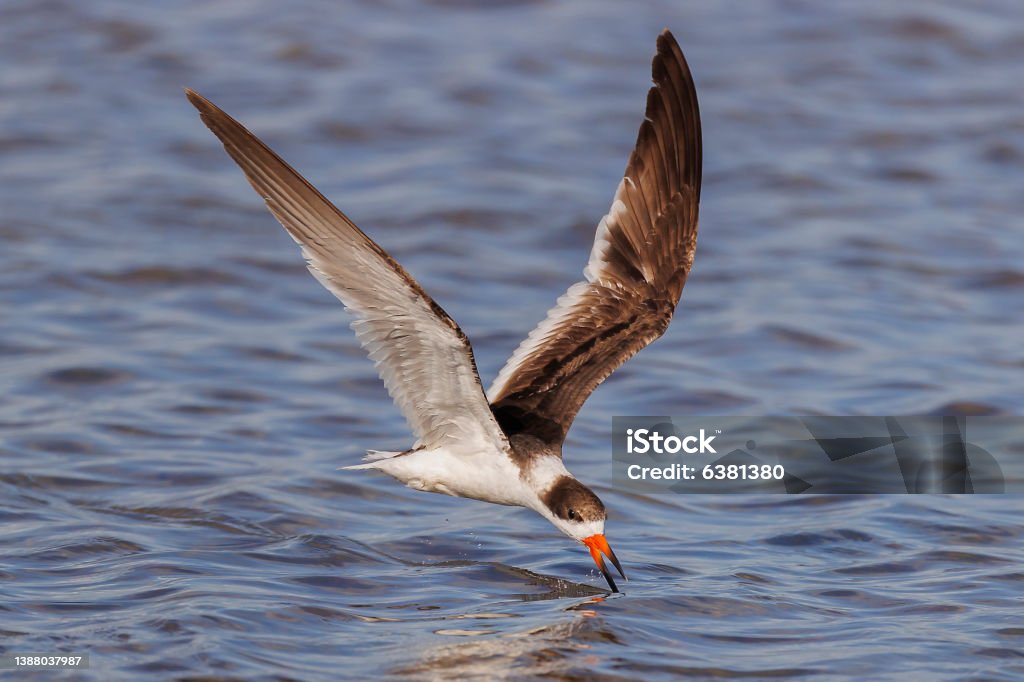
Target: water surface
column 176, row 392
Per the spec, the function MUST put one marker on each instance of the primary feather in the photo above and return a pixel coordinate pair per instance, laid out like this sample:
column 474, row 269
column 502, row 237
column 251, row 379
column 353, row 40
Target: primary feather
column 638, row 265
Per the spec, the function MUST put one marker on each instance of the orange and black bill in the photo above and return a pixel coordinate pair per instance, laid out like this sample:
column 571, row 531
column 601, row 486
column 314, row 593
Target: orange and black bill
column 598, row 546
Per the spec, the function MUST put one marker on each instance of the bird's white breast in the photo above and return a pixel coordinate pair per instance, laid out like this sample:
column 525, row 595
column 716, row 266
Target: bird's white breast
column 488, row 475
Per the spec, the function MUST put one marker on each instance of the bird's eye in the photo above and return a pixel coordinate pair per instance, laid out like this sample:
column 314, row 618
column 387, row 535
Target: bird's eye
column 572, row 514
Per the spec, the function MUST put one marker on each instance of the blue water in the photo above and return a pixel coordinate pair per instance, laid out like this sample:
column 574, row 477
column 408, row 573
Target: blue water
column 176, row 392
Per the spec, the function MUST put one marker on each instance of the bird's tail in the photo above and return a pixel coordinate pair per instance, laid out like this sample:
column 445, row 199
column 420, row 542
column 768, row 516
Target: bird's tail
column 372, row 459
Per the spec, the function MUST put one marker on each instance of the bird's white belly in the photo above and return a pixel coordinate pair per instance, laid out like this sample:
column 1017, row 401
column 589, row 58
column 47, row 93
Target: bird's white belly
column 487, row 476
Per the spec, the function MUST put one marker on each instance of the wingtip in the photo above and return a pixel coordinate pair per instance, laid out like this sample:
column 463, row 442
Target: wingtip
column 197, row 100
column 668, row 51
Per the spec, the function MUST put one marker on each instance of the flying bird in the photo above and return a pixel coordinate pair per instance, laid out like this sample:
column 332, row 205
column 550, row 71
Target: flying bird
column 505, row 446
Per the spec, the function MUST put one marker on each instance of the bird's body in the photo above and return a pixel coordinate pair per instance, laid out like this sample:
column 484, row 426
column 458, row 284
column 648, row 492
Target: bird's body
column 486, row 475
column 505, row 446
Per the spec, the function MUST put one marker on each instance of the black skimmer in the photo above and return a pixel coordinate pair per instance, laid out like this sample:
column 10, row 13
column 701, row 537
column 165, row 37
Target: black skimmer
column 505, row 446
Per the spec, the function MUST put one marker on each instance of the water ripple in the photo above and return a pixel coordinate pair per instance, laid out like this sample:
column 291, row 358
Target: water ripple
column 178, row 393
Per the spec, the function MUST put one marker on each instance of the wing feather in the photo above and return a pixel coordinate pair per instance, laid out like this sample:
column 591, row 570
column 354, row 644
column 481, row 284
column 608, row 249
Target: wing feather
column 423, row 357
column 642, row 254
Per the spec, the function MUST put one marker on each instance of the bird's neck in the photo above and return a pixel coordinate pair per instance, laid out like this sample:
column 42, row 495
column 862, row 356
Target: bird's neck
column 545, row 472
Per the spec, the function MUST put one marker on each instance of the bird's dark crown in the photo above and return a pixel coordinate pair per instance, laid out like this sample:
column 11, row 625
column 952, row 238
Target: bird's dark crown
column 570, row 500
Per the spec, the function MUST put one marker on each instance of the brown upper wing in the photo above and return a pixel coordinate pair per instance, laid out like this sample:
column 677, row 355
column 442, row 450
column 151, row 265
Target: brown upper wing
column 639, row 263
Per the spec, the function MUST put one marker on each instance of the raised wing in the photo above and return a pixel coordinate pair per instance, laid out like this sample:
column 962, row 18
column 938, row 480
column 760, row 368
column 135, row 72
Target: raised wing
column 423, row 357
column 639, row 263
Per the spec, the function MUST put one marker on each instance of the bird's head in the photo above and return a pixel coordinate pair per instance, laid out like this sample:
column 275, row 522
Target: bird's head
column 576, row 511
